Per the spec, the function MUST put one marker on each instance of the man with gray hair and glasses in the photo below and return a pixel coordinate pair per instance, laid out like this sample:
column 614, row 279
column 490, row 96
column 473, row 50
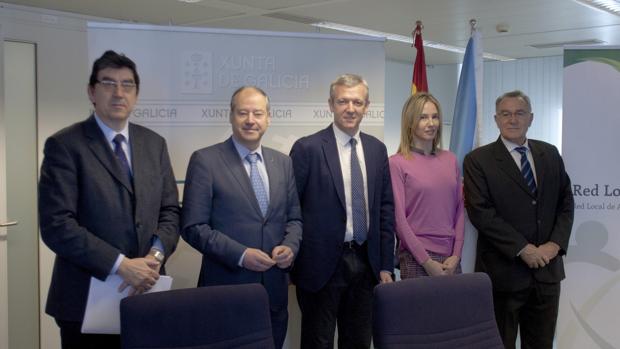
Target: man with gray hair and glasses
column 518, row 195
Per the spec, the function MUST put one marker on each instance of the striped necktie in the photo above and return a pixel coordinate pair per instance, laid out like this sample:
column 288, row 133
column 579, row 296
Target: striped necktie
column 526, row 169
column 120, row 155
column 257, row 183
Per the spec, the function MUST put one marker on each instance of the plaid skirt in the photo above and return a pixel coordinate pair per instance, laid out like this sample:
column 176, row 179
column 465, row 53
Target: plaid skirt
column 410, row 268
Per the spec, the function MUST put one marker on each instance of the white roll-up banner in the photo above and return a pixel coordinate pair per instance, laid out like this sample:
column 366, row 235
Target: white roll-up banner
column 589, row 305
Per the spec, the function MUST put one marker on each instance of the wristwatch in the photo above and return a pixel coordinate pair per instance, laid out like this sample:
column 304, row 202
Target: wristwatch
column 157, row 254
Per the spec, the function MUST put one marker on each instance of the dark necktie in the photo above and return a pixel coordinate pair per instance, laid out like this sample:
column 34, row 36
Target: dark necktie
column 257, row 183
column 358, row 200
column 526, row 169
column 120, row 155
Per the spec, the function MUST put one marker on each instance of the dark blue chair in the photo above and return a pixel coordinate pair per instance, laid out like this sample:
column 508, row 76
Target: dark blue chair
column 232, row 316
column 441, row 312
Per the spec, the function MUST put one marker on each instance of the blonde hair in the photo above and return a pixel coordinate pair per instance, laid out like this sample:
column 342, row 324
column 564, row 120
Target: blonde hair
column 412, row 110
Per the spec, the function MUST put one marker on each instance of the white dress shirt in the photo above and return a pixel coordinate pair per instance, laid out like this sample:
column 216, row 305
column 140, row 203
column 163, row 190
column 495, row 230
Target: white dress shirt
column 344, row 153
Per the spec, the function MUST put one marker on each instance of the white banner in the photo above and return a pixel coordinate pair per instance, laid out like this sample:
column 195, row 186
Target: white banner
column 589, row 305
column 188, row 75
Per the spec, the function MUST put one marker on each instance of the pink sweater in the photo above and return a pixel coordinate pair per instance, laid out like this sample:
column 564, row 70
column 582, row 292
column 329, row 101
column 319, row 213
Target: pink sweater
column 428, row 204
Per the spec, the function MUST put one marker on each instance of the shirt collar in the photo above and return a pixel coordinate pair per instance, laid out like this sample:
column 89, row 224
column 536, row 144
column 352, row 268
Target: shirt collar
column 110, row 133
column 421, row 152
column 343, row 138
column 243, row 151
column 512, row 145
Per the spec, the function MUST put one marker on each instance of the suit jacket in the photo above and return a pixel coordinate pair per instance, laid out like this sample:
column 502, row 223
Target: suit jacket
column 89, row 212
column 508, row 216
column 222, row 217
column 321, row 193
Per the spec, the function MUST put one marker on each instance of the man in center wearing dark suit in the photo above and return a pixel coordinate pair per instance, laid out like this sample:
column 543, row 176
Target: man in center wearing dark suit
column 344, row 186
column 108, row 201
column 240, row 208
column 519, row 197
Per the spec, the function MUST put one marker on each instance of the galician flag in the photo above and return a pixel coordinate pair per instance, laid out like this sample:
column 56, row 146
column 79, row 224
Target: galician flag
column 468, row 107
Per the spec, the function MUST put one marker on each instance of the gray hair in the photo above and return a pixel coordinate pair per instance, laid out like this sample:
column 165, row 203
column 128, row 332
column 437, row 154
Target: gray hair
column 514, row 94
column 348, row 80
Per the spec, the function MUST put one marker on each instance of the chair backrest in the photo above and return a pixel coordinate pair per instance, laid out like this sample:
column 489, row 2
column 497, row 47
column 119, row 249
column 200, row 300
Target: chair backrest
column 438, row 312
column 231, row 316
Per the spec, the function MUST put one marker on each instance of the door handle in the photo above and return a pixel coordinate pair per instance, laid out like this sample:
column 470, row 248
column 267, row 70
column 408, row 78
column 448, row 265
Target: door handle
column 8, row 224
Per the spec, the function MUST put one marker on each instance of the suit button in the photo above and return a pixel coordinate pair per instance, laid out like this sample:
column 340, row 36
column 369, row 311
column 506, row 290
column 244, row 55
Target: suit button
column 533, row 202
column 138, row 225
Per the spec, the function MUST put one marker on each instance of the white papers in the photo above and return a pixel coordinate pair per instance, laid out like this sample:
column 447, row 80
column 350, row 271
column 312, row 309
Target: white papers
column 103, row 306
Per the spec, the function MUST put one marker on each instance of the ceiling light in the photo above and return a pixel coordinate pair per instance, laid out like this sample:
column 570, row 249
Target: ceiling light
column 189, row 1
column 291, row 18
column 611, row 6
column 401, row 38
column 588, row 42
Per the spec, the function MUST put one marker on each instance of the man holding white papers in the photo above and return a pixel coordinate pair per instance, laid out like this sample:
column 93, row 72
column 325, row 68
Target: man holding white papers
column 108, row 201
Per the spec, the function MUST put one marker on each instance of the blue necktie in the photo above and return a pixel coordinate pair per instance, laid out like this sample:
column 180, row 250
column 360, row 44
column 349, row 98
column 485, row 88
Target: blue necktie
column 120, row 155
column 257, row 183
column 526, row 169
column 358, row 200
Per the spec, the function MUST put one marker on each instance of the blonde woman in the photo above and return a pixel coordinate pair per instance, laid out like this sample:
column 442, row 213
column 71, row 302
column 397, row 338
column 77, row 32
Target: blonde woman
column 428, row 195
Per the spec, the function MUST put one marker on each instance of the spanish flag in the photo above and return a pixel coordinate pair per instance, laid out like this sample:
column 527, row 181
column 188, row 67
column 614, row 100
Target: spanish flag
column 419, row 83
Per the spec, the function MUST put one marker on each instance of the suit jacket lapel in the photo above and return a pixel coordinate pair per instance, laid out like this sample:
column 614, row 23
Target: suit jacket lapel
column 539, row 166
column 330, row 151
column 274, row 178
column 142, row 167
column 140, row 162
column 507, row 164
column 370, row 170
column 231, row 159
column 100, row 147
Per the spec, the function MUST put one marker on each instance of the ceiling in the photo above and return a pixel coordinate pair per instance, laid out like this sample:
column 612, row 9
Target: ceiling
column 529, row 22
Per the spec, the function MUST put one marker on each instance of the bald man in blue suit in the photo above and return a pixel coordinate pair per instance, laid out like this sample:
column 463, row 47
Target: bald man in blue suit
column 241, row 211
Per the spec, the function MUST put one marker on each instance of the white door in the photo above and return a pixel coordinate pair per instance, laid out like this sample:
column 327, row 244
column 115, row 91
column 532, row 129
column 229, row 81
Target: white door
column 18, row 169
column 4, row 324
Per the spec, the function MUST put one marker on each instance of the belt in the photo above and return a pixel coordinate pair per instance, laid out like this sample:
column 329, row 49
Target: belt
column 352, row 245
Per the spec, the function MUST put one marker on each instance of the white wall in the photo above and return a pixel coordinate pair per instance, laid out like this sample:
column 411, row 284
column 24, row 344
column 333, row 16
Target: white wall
column 397, row 90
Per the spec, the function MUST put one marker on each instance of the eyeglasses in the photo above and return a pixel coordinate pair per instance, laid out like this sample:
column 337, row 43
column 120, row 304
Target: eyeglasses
column 341, row 102
column 520, row 114
column 111, row 85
